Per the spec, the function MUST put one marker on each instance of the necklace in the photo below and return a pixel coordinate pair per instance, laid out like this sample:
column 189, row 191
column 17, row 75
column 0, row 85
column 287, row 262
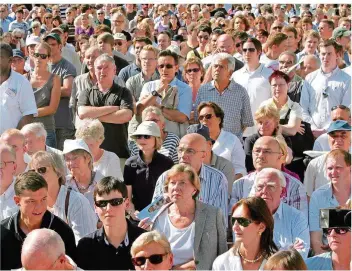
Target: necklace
column 249, row 261
column 82, row 187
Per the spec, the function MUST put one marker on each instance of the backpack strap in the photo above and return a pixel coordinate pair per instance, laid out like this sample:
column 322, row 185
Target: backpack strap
column 67, row 202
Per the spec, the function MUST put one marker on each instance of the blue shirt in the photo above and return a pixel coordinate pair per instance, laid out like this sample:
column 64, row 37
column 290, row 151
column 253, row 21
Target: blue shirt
column 4, row 24
column 129, row 71
column 320, row 262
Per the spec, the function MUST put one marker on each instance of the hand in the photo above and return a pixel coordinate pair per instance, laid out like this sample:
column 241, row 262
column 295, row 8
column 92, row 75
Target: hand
column 298, row 245
column 217, row 50
column 301, row 129
column 163, row 86
column 145, row 224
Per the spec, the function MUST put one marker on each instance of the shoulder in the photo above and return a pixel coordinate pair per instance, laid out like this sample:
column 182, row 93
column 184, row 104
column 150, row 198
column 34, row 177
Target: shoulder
column 321, row 191
column 205, row 87
column 90, row 238
column 318, row 261
column 172, row 137
column 312, row 75
column 209, row 209
column 131, row 160
column 183, row 85
column 266, row 72
column 164, row 159
column 134, row 231
column 318, row 160
column 213, row 172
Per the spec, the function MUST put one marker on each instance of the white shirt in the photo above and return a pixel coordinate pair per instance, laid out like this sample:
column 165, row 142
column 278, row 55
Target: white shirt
column 348, row 70
column 258, row 88
column 230, row 147
column 296, row 109
column 321, row 143
column 109, row 165
column 17, row 100
column 7, row 204
column 81, row 217
column 272, row 64
column 72, row 57
column 315, row 175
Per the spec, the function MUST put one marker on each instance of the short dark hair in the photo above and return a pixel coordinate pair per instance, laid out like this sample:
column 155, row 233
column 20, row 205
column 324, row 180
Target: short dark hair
column 289, row 28
column 279, row 74
column 243, row 36
column 218, row 31
column 263, row 33
column 219, row 113
column 6, row 48
column 19, row 11
column 146, row 40
column 165, row 32
column 29, row 180
column 330, row 23
column 169, row 53
column 204, row 28
column 331, row 42
column 84, row 8
column 103, row 28
column 257, row 44
column 108, row 185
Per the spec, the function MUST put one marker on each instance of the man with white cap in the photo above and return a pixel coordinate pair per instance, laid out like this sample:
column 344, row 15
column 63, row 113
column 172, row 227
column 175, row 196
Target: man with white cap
column 120, row 45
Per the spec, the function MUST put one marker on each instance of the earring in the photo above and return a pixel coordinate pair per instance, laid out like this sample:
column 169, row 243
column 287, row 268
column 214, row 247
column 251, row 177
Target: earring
column 259, row 233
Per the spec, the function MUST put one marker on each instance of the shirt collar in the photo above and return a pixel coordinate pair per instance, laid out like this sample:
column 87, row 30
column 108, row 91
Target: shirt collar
column 259, row 69
column 279, row 211
column 228, row 88
column 332, row 73
column 213, row 160
column 10, row 191
column 125, row 242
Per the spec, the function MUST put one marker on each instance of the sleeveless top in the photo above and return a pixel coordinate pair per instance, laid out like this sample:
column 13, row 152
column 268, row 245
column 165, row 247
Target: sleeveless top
column 42, row 98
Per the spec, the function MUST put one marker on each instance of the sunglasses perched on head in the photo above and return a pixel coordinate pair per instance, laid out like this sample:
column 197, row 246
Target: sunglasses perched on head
column 337, row 230
column 167, row 66
column 192, row 70
column 154, row 259
column 341, row 106
column 143, row 136
column 244, row 222
column 40, row 170
column 42, row 56
column 206, row 116
column 113, row 202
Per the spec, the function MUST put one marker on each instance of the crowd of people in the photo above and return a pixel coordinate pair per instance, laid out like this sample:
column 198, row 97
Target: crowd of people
column 229, row 125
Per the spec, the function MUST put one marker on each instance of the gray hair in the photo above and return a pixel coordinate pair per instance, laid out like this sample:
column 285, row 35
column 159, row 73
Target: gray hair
column 104, row 58
column 95, row 48
column 289, row 53
column 35, row 23
column 274, row 171
column 224, row 56
column 155, row 110
column 90, row 129
column 314, row 57
column 18, row 31
column 36, row 128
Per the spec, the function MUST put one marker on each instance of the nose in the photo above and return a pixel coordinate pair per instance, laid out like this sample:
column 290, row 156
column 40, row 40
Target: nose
column 333, row 233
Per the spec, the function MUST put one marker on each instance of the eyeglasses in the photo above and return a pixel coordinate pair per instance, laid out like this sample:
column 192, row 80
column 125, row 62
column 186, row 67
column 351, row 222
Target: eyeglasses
column 260, row 187
column 40, row 170
column 341, row 106
column 113, row 202
column 167, row 66
column 337, row 230
column 206, row 116
column 192, row 70
column 277, row 27
column 100, row 13
column 245, row 50
column 154, row 259
column 238, row 44
column 244, row 222
column 4, row 163
column 187, row 151
column 119, row 43
column 18, row 38
column 42, row 56
column 264, row 151
column 143, row 136
column 203, row 37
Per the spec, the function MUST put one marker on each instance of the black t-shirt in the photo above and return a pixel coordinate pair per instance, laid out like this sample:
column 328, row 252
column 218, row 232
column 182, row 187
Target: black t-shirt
column 115, row 134
column 95, row 253
column 143, row 177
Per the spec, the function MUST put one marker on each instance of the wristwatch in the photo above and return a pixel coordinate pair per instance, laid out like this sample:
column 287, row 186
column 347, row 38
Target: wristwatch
column 156, row 94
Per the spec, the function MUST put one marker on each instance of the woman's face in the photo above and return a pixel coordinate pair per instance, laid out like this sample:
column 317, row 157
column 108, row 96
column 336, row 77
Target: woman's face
column 56, row 23
column 84, row 20
column 77, row 163
column 180, row 188
column 279, row 88
column 208, row 118
column 46, row 171
column 146, row 143
column 239, row 24
column 260, row 25
column 203, row 38
column 41, row 57
column 193, row 73
column 173, row 19
column 155, row 118
column 250, row 20
column 266, row 126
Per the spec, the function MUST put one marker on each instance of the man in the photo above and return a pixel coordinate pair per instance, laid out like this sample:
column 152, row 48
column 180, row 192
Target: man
column 290, row 225
column 120, row 45
column 339, row 137
column 338, row 231
column 310, row 44
column 310, row 64
column 325, row 28
column 213, row 39
column 268, row 153
column 275, row 45
column 17, row 99
column 164, row 40
column 276, row 27
column 319, row 16
column 343, row 37
column 191, row 151
column 19, row 22
column 333, row 194
column 43, row 249
column 225, row 92
column 292, row 39
column 172, row 96
column 339, row 112
column 67, row 72
column 101, row 18
column 135, row 67
column 4, row 21
column 112, row 243
column 195, row 12
column 31, row 192
column 294, row 20
column 325, row 88
column 18, row 62
column 254, row 77
column 111, row 104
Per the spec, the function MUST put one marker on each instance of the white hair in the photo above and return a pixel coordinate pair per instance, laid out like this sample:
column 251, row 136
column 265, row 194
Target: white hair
column 18, row 31
column 224, row 56
column 36, row 128
column 289, row 53
column 104, row 58
column 274, row 171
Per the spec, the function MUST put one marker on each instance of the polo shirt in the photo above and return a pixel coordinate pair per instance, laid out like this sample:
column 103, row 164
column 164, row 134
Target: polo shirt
column 96, row 253
column 143, row 177
column 129, row 71
column 49, row 221
column 115, row 134
column 320, row 262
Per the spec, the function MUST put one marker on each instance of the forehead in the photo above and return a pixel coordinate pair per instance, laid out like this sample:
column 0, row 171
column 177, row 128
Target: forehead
column 268, row 178
column 148, row 53
column 248, row 45
column 151, row 248
column 241, row 211
column 113, row 194
column 286, row 57
column 329, row 48
column 6, row 155
column 338, row 159
column 221, row 61
column 42, row 192
column 269, row 144
column 152, row 115
column 166, row 59
column 163, row 36
column 13, row 139
column 103, row 63
column 338, row 133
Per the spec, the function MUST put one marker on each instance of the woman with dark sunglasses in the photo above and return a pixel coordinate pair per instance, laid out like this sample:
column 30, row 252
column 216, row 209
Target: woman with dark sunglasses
column 253, row 226
column 143, row 170
column 47, row 92
column 70, row 206
column 48, row 22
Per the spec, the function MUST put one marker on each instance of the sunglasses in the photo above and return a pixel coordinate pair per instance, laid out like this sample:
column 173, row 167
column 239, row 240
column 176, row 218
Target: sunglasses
column 206, row 116
column 337, row 230
column 42, row 56
column 18, row 38
column 252, row 50
column 343, row 107
column 113, row 202
column 193, row 70
column 203, row 37
column 244, row 222
column 167, row 66
column 154, row 259
column 238, row 44
column 143, row 136
column 277, row 27
column 100, row 13
column 40, row 170
column 119, row 43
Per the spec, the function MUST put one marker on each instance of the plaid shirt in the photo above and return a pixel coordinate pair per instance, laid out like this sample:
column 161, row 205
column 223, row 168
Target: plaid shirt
column 235, row 103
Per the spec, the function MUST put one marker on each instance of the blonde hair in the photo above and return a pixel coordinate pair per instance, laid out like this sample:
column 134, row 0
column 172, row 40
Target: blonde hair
column 193, row 60
column 282, row 145
column 90, row 129
column 148, row 238
column 267, row 111
column 13, row 132
column 151, row 48
column 286, row 260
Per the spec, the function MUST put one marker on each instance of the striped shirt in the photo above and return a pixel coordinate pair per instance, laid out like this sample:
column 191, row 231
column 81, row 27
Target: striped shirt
column 169, row 147
column 235, row 103
column 213, row 188
column 294, row 193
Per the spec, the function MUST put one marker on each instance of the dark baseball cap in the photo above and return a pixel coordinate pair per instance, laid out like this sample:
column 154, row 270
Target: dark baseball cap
column 18, row 53
column 200, row 129
column 53, row 36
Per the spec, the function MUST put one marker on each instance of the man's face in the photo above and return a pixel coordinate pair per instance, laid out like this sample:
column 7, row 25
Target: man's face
column 8, row 167
column 19, row 16
column 195, row 12
column 118, row 21
column 183, row 33
column 18, row 64
column 294, row 21
column 292, row 42
column 328, row 58
column 344, row 41
column 311, row 45
column 163, row 41
column 33, row 143
column 307, row 26
column 105, row 71
column 17, row 144
column 250, row 53
column 148, row 61
column 266, row 153
column 138, row 48
column 340, row 140
column 220, row 71
column 167, row 68
column 3, row 12
column 55, row 47
column 324, row 30
column 341, row 114
column 89, row 58
column 192, row 151
column 226, row 44
column 213, row 41
column 121, row 46
column 276, row 27
column 309, row 65
column 105, row 46
column 285, row 62
column 5, row 63
column 337, row 170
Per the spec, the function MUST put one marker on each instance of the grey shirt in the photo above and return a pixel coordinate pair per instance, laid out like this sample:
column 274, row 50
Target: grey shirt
column 226, row 167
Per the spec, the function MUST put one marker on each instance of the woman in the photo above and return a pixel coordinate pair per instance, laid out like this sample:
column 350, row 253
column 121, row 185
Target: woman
column 36, row 30
column 81, row 39
column 154, row 247
column 70, row 206
column 253, row 226
column 286, row 260
column 240, row 23
column 82, row 177
column 195, row 230
column 174, row 24
column 143, row 170
column 85, row 27
column 261, row 23
column 226, row 145
column 48, row 22
column 106, row 162
column 57, row 21
column 17, row 40
column 170, row 141
column 47, row 91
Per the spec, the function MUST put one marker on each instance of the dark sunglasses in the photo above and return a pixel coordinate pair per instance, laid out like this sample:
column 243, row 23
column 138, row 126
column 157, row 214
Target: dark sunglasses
column 18, row 38
column 143, row 136
column 42, row 56
column 167, row 66
column 119, row 43
column 238, row 44
column 343, row 107
column 203, row 37
column 252, row 50
column 206, row 116
column 113, row 202
column 337, row 230
column 100, row 13
column 193, row 70
column 277, row 27
column 244, row 222
column 40, row 170
column 154, row 259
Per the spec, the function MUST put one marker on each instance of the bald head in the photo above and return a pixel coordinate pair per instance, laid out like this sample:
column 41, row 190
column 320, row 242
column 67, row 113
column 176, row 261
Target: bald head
column 192, row 150
column 267, row 153
column 310, row 64
column 226, row 44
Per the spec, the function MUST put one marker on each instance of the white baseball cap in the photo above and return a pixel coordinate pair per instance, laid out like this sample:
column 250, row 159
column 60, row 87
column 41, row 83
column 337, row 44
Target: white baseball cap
column 147, row 128
column 32, row 40
column 71, row 145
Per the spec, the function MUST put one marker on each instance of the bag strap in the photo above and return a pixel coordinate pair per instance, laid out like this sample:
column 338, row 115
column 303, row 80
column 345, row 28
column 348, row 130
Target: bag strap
column 287, row 115
column 196, row 53
column 67, row 202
